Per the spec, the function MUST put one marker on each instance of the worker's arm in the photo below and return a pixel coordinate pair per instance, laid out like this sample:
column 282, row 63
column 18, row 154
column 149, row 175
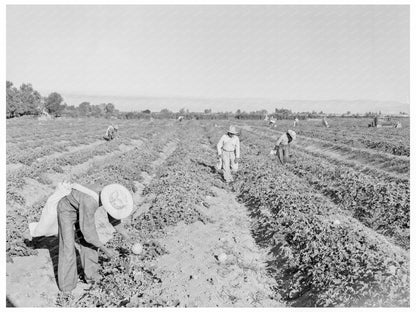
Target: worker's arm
column 87, row 208
column 237, row 148
column 118, row 226
column 120, row 229
column 219, row 145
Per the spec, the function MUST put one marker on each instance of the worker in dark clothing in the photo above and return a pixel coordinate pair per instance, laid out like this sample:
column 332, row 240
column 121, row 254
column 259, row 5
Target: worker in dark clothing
column 282, row 147
column 78, row 209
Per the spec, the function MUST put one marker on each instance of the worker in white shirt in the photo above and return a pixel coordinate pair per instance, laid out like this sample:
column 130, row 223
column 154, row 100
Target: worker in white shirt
column 325, row 122
column 295, row 123
column 282, row 148
column 111, row 133
column 272, row 122
column 229, row 152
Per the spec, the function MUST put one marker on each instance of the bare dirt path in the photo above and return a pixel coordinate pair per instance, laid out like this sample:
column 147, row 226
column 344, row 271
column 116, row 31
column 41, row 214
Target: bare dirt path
column 31, row 281
column 193, row 272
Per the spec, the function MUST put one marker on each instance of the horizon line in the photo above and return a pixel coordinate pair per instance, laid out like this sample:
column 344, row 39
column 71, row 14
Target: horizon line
column 224, row 98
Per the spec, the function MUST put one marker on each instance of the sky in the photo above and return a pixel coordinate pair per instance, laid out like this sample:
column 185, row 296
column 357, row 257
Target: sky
column 275, row 52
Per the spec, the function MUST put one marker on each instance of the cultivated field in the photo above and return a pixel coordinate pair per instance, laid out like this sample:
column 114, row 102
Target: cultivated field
column 330, row 228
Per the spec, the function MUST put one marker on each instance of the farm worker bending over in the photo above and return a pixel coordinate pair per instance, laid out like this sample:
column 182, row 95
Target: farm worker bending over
column 111, row 132
column 78, row 209
column 282, row 148
column 229, row 152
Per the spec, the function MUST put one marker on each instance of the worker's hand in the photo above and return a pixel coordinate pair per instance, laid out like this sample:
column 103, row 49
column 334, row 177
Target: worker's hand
column 237, row 160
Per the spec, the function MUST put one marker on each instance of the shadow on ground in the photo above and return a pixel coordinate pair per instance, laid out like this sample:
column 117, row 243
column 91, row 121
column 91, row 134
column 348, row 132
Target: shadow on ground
column 9, row 303
column 51, row 243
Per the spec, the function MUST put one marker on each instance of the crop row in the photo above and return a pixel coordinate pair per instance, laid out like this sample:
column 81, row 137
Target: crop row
column 179, row 187
column 16, row 179
column 382, row 161
column 36, row 147
column 177, row 191
column 382, row 205
column 34, row 135
column 384, row 172
column 30, row 155
column 60, row 132
column 318, row 262
column 124, row 168
column 353, row 133
column 394, row 146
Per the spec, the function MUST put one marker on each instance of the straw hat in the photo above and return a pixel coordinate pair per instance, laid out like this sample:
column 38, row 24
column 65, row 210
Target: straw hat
column 232, row 130
column 292, row 134
column 116, row 127
column 117, row 201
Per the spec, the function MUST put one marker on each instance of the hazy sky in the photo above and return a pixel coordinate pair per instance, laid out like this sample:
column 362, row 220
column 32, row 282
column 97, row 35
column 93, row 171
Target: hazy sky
column 279, row 52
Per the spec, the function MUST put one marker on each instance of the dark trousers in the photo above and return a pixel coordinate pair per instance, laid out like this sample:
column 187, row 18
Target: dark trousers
column 283, row 153
column 68, row 227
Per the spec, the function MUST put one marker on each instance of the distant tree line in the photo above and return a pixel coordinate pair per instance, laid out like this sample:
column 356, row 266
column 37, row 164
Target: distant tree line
column 85, row 109
column 27, row 101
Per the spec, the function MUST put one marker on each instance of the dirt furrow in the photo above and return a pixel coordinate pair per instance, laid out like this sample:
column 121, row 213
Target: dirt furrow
column 142, row 203
column 216, row 263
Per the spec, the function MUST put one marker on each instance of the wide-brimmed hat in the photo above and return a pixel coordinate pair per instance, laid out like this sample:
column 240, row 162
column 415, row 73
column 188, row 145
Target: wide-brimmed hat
column 117, row 201
column 116, row 127
column 292, row 134
column 232, row 130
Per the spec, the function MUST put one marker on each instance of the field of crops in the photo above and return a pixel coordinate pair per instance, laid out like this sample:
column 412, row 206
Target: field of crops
column 334, row 221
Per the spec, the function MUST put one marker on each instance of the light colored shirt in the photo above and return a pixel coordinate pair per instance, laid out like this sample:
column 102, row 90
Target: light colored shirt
column 283, row 140
column 87, row 206
column 229, row 144
column 110, row 130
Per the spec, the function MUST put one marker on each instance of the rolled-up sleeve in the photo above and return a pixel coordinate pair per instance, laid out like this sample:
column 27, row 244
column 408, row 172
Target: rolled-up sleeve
column 87, row 208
